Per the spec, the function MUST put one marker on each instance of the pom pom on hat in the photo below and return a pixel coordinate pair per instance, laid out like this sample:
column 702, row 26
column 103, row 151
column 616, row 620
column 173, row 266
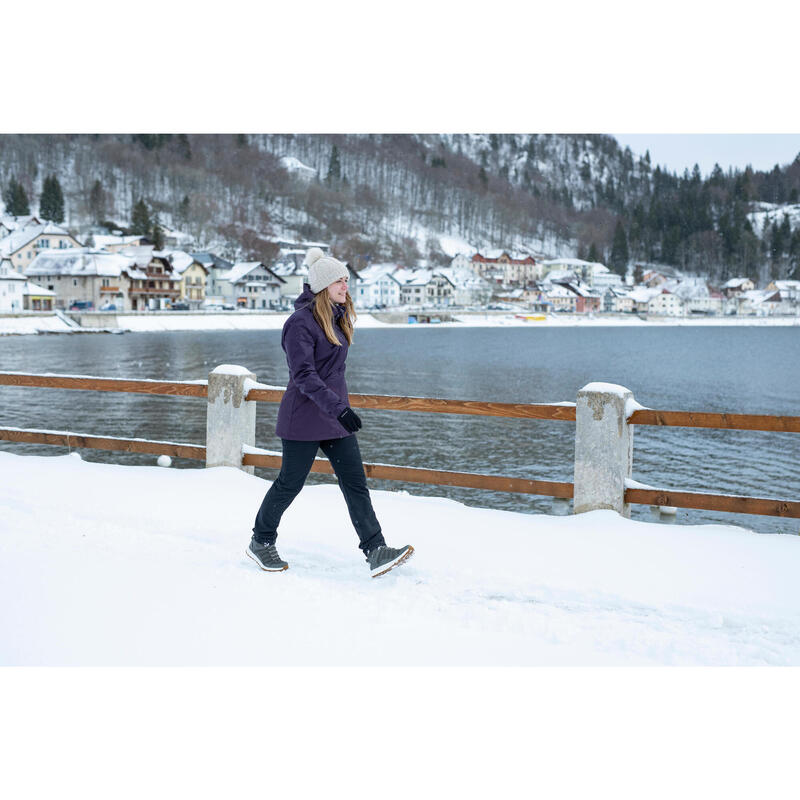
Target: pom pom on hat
column 314, row 254
column 323, row 270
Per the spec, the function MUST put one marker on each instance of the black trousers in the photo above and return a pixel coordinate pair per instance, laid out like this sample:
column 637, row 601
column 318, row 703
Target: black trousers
column 298, row 457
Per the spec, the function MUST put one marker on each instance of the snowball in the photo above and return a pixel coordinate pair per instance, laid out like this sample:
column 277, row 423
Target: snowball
column 164, row 461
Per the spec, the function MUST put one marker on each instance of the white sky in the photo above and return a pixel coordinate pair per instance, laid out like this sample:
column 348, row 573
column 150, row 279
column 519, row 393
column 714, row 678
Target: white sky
column 679, row 151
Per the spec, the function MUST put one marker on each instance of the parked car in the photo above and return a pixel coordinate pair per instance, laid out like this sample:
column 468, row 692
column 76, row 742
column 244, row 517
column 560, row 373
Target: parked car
column 180, row 306
column 81, row 305
column 108, row 307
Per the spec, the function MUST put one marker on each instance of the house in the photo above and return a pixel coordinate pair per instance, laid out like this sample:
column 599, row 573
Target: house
column 561, row 298
column 514, row 268
column 114, row 243
column 576, row 268
column 617, row 300
column 37, row 298
column 9, row 223
column 251, row 284
column 177, row 239
column 469, row 289
column 425, row 287
column 154, row 284
column 440, row 290
column 666, row 304
column 193, row 276
column 83, row 275
column 216, row 266
column 461, row 262
column 291, row 268
column 697, row 296
column 641, row 296
column 586, row 300
column 600, row 277
column 735, row 287
column 12, row 284
column 377, row 286
column 657, row 301
column 790, row 294
column 760, row 303
column 413, row 283
column 23, row 245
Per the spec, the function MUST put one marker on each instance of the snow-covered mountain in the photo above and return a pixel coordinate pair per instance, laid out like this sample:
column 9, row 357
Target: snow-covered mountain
column 415, row 198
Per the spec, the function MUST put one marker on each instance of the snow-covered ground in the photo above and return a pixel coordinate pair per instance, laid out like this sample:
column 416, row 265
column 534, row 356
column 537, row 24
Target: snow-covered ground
column 251, row 321
column 127, row 565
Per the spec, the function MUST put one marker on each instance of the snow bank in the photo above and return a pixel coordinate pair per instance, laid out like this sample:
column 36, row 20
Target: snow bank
column 118, row 565
column 37, row 324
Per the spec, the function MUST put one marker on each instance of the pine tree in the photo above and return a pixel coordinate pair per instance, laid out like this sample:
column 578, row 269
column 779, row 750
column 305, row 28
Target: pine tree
column 618, row 260
column 51, row 202
column 15, row 199
column 97, row 201
column 484, row 178
column 334, row 166
column 157, row 234
column 594, row 254
column 184, row 209
column 140, row 221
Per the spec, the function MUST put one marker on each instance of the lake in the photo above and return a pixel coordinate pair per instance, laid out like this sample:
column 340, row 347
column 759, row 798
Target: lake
column 733, row 369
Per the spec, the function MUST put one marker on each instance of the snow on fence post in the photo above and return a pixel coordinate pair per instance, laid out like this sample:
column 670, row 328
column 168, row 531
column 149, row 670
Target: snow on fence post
column 230, row 420
column 603, row 448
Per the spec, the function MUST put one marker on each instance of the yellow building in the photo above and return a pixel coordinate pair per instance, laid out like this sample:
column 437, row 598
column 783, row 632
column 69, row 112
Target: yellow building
column 193, row 278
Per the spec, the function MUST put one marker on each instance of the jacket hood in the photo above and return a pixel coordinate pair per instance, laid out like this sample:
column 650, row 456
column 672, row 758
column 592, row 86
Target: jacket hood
column 307, row 298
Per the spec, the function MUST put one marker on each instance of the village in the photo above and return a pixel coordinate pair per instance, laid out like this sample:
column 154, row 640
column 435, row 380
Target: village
column 44, row 268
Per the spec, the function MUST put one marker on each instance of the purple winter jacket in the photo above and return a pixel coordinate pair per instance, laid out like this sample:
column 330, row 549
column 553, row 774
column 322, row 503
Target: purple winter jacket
column 317, row 392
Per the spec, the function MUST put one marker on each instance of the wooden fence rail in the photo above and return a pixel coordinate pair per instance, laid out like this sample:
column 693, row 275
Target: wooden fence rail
column 544, row 411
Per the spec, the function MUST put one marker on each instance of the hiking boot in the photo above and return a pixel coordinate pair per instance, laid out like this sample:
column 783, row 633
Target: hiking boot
column 384, row 558
column 266, row 556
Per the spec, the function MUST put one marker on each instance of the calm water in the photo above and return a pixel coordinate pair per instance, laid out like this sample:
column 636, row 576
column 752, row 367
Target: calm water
column 743, row 370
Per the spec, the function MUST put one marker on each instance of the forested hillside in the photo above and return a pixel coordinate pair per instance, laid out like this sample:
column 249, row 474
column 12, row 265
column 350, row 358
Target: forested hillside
column 411, row 197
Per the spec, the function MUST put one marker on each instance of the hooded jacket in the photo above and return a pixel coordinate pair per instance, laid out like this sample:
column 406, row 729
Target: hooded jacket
column 317, row 392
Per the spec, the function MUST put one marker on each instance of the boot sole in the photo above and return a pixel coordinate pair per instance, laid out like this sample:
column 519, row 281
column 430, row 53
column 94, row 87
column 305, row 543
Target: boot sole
column 396, row 563
column 266, row 569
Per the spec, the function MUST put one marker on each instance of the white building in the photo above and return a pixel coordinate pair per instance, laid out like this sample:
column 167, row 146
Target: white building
column 600, row 277
column 82, row 275
column 251, row 284
column 23, row 245
column 657, row 301
column 697, row 296
column 291, row 268
column 217, row 267
column 469, row 289
column 12, row 284
column 377, row 286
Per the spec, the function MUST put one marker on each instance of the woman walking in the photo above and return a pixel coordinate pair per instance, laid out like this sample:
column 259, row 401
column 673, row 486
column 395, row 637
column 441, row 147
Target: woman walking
column 315, row 413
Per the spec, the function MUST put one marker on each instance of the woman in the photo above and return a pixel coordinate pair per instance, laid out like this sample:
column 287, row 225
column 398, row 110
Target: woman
column 315, row 413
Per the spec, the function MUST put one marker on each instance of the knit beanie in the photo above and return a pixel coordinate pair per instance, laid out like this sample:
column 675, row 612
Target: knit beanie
column 323, row 270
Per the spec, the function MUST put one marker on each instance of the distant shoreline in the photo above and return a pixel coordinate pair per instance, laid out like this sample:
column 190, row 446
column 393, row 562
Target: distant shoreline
column 163, row 321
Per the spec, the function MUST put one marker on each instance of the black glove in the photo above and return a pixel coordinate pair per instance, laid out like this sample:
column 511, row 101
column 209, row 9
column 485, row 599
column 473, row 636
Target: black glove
column 350, row 420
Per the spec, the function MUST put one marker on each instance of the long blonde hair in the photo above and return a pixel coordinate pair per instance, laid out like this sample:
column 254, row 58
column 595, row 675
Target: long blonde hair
column 323, row 314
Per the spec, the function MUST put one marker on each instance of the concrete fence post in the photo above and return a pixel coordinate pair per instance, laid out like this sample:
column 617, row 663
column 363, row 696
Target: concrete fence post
column 230, row 420
column 603, row 448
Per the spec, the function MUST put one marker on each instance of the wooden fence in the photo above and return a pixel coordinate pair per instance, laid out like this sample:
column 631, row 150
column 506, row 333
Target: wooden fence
column 564, row 412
